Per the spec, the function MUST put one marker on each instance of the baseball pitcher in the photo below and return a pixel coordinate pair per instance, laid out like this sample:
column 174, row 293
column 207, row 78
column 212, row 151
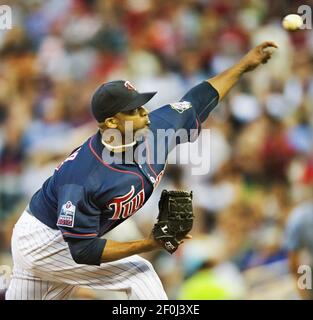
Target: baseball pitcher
column 59, row 241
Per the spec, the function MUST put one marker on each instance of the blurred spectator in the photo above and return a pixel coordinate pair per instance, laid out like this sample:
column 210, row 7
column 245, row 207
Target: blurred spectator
column 215, row 278
column 299, row 238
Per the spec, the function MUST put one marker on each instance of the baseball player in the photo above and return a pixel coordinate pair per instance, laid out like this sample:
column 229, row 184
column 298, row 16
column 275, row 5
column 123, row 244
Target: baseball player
column 58, row 241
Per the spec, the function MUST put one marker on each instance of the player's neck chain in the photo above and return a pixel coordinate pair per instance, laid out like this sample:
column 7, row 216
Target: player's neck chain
column 114, row 148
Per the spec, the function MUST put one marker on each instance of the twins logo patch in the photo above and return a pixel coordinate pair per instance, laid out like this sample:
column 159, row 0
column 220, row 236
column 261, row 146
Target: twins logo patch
column 67, row 215
column 181, row 106
column 129, row 86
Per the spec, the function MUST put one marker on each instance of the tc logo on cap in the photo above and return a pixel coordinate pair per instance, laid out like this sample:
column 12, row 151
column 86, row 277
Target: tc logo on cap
column 129, row 86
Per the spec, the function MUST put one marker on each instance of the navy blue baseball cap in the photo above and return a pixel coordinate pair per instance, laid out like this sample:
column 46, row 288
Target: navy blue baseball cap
column 117, row 96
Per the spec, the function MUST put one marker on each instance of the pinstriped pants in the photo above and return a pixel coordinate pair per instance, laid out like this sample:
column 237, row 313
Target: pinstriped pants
column 43, row 268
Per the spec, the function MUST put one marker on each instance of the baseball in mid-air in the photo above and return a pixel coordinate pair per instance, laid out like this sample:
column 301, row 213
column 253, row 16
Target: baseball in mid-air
column 292, row 22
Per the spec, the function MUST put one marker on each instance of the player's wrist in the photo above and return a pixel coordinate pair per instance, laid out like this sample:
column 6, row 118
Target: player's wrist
column 153, row 244
column 243, row 65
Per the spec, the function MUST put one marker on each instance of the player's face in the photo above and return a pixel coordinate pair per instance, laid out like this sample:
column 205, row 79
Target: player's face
column 138, row 117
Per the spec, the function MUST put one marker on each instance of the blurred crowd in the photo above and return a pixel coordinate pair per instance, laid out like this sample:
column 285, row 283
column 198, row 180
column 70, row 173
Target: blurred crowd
column 261, row 154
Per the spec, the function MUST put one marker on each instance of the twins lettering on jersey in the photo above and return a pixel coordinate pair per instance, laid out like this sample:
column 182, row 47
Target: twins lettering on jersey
column 126, row 205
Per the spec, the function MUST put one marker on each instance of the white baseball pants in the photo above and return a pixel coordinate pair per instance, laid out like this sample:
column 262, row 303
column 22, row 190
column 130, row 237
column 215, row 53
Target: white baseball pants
column 43, row 268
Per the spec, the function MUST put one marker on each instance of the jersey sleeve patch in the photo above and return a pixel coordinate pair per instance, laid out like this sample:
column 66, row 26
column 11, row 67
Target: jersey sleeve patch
column 204, row 98
column 77, row 216
column 67, row 215
column 180, row 107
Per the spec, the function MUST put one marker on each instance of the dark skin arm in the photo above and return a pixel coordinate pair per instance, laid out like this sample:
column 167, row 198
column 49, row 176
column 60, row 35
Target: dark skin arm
column 118, row 250
column 224, row 81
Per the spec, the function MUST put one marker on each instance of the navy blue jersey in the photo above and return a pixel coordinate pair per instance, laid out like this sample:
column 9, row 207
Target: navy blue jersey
column 93, row 190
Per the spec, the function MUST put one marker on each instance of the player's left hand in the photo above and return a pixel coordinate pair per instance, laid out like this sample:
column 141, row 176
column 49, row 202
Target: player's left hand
column 175, row 219
column 260, row 54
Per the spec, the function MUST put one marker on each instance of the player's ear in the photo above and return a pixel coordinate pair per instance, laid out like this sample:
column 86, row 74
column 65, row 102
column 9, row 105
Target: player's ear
column 111, row 122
